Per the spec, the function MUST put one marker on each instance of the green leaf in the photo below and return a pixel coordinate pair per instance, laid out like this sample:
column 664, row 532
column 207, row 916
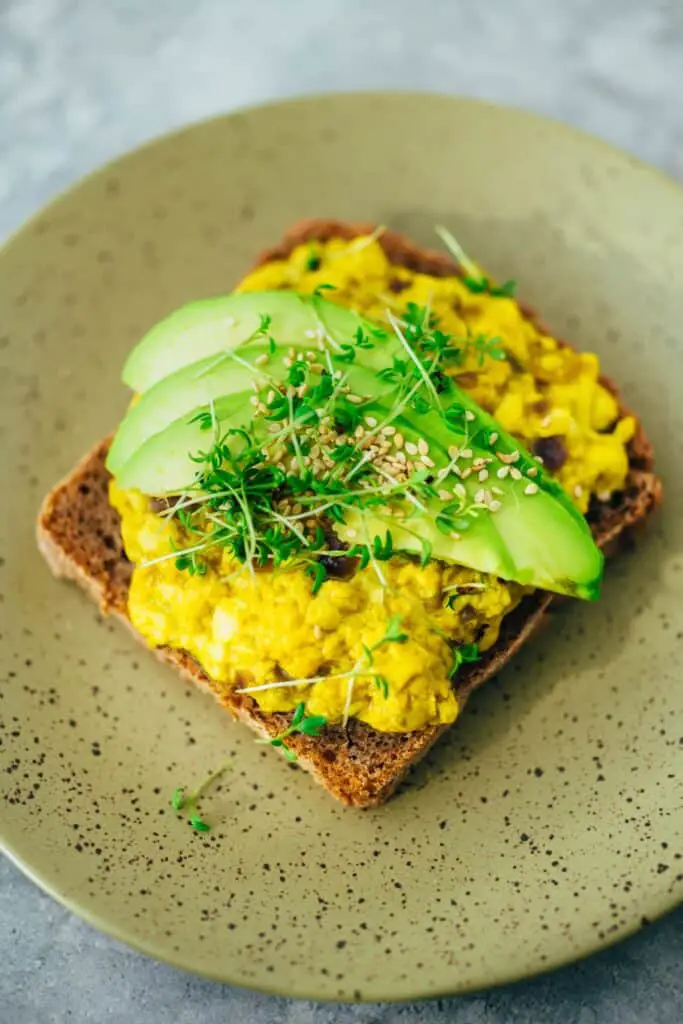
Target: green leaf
column 383, row 549
column 362, row 552
column 347, row 354
column 324, row 288
column 507, row 289
column 178, row 799
column 476, row 284
column 450, row 519
column 420, row 404
column 198, row 825
column 296, row 375
column 362, row 340
column 313, row 260
column 205, row 421
column 319, row 573
column 469, row 652
column 455, row 415
column 465, row 654
column 342, row 452
column 299, row 713
column 393, row 633
column 312, row 725
column 382, row 683
column 289, row 753
column 425, row 552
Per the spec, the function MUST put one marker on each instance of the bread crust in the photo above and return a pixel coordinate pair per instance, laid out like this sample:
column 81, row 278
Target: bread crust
column 80, row 537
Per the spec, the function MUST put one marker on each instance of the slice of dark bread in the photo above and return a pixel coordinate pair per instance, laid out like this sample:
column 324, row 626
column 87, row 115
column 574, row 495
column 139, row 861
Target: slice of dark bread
column 79, row 535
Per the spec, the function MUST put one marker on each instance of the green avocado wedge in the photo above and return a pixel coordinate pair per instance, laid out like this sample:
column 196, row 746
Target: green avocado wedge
column 212, row 326
column 476, row 499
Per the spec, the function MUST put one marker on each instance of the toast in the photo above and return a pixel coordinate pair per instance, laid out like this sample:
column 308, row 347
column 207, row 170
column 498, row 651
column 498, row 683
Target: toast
column 80, row 538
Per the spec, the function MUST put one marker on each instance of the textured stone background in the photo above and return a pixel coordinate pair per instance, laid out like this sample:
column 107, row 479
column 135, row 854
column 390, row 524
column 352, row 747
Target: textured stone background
column 80, row 82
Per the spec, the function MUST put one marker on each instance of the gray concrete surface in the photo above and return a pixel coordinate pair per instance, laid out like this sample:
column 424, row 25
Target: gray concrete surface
column 80, row 82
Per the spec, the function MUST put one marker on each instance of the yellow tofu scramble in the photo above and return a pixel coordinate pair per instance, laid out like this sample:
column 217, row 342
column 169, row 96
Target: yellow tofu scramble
column 248, row 631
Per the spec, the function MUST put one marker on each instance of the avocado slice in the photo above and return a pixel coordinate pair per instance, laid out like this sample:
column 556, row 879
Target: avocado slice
column 210, row 326
column 506, row 517
column 187, row 390
column 162, row 464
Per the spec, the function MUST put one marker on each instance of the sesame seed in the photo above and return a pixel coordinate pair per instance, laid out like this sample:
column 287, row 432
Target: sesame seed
column 465, row 473
column 371, row 421
column 502, row 472
column 546, row 421
column 359, row 432
column 454, row 451
column 454, row 535
column 460, row 491
column 426, row 461
column 531, row 489
column 483, row 475
column 467, row 454
column 497, row 490
column 411, row 448
column 254, row 400
column 603, row 495
column 532, row 471
column 388, row 431
column 269, row 397
column 286, row 361
column 508, row 457
column 494, row 505
column 493, row 437
column 445, row 495
column 480, row 496
column 578, row 491
column 356, row 399
column 262, row 359
column 351, row 533
column 422, row 446
column 296, row 509
column 400, row 457
column 457, row 470
column 537, row 458
column 310, row 333
column 515, row 473
column 469, row 416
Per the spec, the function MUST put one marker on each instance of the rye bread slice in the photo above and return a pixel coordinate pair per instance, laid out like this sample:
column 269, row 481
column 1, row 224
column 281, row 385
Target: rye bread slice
column 80, row 537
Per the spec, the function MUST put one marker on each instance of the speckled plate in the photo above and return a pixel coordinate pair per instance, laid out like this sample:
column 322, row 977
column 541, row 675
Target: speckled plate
column 549, row 823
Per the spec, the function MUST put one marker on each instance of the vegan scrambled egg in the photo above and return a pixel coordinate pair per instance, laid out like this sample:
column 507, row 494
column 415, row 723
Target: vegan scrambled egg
column 250, row 630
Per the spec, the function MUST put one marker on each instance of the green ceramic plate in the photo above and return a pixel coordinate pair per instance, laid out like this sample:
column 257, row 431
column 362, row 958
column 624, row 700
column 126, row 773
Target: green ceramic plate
column 550, row 822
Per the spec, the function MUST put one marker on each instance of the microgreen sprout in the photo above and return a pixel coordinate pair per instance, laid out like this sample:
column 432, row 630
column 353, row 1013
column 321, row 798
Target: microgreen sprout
column 184, row 800
column 307, row 725
column 474, row 277
column 465, row 654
